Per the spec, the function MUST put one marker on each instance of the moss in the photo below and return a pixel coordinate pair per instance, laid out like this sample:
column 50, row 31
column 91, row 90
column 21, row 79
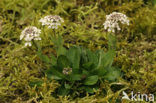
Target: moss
column 136, row 53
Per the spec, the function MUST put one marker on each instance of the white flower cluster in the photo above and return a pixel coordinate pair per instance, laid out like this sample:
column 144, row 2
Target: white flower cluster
column 52, row 21
column 67, row 71
column 112, row 21
column 30, row 33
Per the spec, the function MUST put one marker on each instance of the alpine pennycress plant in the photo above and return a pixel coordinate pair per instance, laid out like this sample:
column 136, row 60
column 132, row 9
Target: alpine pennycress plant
column 80, row 70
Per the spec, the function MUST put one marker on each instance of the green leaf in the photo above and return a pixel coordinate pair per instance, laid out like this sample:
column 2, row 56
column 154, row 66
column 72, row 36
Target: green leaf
column 91, row 80
column 61, row 51
column 62, row 62
column 112, row 74
column 92, row 57
column 75, row 77
column 101, row 71
column 84, row 58
column 74, row 56
column 89, row 89
column 44, row 58
column 58, row 42
column 88, row 65
column 67, row 86
column 107, row 58
column 85, row 72
column 54, row 60
column 91, row 61
column 63, row 91
column 52, row 73
column 105, row 61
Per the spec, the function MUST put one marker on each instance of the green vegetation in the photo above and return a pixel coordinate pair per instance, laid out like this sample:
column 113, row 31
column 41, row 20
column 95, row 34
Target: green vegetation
column 103, row 65
column 78, row 70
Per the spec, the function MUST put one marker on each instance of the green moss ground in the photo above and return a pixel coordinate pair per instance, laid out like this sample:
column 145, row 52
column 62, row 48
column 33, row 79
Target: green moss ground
column 136, row 47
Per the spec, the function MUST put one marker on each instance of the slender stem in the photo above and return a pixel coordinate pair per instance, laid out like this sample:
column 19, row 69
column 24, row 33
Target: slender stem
column 54, row 33
column 111, row 41
column 36, row 45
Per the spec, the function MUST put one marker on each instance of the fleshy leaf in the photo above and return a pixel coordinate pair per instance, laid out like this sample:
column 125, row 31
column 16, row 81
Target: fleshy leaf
column 74, row 56
column 62, row 62
column 112, row 74
column 91, row 80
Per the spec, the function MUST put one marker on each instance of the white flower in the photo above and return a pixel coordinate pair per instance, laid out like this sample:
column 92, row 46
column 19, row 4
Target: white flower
column 52, row 21
column 28, row 44
column 67, row 71
column 30, row 33
column 112, row 21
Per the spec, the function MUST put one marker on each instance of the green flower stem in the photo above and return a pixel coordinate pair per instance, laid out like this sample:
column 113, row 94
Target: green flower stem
column 36, row 45
column 111, row 41
column 54, row 33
